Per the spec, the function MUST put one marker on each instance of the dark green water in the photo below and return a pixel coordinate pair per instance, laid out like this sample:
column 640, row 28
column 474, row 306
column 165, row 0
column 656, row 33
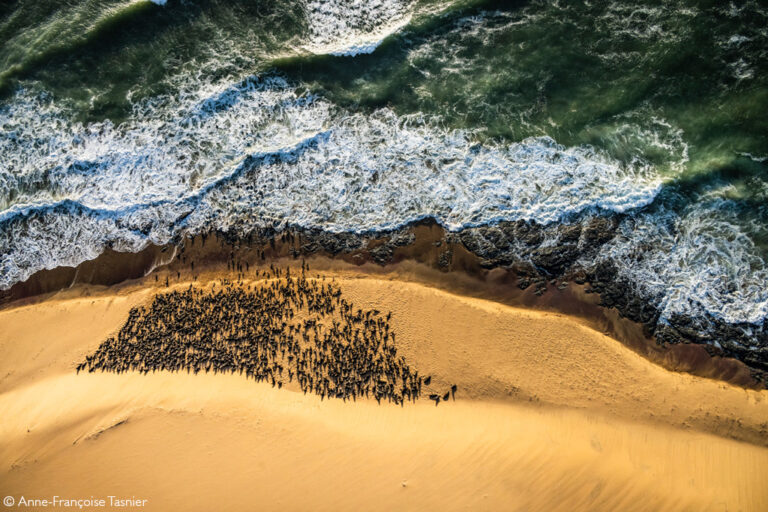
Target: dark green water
column 129, row 122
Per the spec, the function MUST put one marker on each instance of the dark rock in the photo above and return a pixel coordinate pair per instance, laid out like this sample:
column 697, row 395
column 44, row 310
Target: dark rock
column 555, row 260
column 445, row 259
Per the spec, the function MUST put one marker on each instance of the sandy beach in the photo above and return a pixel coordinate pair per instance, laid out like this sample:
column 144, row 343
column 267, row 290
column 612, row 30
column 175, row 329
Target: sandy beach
column 387, row 255
column 550, row 414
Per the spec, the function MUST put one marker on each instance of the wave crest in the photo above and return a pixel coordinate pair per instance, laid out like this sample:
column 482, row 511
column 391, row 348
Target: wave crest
column 260, row 153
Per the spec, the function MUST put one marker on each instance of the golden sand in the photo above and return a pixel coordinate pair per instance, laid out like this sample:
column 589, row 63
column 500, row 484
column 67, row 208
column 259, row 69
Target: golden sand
column 550, row 415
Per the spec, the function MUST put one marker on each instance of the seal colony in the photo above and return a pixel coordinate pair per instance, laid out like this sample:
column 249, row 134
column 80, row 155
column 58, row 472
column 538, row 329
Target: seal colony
column 541, row 276
column 545, row 402
column 289, row 328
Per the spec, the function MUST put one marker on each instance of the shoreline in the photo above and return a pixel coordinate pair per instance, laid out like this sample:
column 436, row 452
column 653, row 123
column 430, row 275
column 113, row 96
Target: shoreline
column 545, row 403
column 365, row 284
column 423, row 252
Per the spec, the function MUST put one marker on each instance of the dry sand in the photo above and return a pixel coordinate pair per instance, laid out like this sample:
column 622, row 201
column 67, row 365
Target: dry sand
column 550, row 415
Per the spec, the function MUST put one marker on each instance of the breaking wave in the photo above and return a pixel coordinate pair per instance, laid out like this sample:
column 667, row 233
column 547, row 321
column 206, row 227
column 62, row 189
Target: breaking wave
column 699, row 261
column 259, row 153
column 349, row 27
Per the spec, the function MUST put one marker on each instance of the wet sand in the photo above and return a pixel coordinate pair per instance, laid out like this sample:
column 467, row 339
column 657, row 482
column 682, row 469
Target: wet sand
column 551, row 414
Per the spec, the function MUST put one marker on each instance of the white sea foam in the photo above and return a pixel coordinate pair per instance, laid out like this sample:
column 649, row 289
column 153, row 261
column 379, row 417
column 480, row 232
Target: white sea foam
column 754, row 158
column 259, row 153
column 168, row 150
column 700, row 261
column 353, row 27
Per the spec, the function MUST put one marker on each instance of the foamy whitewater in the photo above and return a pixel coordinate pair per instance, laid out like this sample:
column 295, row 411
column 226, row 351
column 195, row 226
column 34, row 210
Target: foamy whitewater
column 349, row 28
column 267, row 150
column 258, row 154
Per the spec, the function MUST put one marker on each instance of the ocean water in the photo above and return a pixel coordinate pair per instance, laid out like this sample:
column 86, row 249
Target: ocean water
column 124, row 123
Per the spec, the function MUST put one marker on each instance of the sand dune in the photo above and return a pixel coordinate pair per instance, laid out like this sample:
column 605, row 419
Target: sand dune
column 550, row 415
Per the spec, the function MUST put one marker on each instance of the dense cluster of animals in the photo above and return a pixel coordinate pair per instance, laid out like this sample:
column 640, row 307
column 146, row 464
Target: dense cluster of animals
column 282, row 329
